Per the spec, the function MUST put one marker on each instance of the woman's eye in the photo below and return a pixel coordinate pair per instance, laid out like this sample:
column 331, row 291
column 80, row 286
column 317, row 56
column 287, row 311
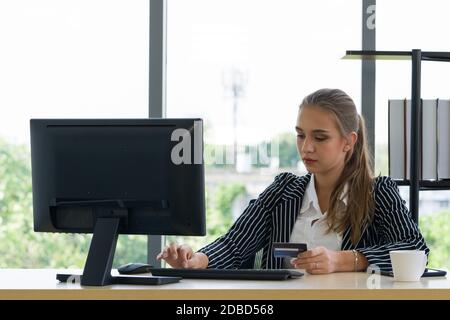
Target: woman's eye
column 302, row 136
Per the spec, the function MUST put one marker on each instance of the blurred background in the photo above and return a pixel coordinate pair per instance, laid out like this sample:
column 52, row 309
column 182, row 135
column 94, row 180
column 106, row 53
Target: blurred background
column 243, row 66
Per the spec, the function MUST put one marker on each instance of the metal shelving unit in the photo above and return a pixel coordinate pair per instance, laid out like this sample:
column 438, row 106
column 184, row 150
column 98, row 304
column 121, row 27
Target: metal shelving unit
column 427, row 185
column 416, row 56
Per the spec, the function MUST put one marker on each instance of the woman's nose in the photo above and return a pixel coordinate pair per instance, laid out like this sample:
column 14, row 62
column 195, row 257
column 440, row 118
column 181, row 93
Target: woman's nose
column 307, row 145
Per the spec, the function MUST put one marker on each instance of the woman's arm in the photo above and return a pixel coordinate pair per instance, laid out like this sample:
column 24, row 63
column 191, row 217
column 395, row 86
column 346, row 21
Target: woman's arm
column 347, row 261
column 320, row 260
column 249, row 233
column 182, row 256
column 397, row 230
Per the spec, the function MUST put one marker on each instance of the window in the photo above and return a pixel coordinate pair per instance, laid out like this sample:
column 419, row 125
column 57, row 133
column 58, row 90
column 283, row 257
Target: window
column 63, row 59
column 244, row 67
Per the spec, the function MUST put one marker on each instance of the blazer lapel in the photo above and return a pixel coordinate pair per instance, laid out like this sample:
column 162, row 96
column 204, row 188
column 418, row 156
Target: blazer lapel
column 346, row 241
column 283, row 219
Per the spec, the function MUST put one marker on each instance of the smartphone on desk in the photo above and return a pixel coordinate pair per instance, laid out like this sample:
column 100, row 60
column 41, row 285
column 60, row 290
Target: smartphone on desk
column 429, row 272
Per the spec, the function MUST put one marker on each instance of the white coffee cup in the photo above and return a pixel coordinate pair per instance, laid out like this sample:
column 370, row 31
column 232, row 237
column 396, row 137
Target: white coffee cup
column 408, row 265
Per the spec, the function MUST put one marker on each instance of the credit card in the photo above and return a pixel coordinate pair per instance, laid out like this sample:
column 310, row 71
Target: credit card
column 285, row 249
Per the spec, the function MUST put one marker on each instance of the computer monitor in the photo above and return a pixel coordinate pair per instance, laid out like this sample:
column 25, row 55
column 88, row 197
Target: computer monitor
column 117, row 176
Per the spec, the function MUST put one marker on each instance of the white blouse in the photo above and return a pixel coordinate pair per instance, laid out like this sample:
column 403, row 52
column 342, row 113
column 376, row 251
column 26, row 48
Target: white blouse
column 310, row 226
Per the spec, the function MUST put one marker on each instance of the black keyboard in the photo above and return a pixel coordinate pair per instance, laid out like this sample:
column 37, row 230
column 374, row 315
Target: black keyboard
column 239, row 274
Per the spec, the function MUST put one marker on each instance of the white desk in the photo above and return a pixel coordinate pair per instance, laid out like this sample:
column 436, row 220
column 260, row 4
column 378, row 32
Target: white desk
column 42, row 284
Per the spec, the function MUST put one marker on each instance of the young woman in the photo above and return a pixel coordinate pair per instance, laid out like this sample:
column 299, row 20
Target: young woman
column 348, row 218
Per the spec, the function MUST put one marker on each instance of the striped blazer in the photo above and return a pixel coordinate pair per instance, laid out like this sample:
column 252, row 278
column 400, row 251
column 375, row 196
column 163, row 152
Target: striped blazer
column 271, row 217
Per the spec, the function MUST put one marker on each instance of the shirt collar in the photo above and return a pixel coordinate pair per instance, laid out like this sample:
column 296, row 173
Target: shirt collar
column 310, row 196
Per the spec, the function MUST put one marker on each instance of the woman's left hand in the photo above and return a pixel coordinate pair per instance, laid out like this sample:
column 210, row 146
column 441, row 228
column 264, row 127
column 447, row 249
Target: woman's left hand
column 319, row 260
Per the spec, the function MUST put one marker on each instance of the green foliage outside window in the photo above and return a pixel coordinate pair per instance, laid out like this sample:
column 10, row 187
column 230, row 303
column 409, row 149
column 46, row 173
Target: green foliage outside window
column 288, row 153
column 216, row 155
column 21, row 247
column 218, row 215
column 435, row 228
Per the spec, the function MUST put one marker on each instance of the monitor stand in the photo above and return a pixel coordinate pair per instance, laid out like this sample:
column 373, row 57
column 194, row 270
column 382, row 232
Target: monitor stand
column 97, row 270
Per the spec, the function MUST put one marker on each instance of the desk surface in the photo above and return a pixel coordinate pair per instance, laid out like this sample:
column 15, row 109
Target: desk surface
column 42, row 284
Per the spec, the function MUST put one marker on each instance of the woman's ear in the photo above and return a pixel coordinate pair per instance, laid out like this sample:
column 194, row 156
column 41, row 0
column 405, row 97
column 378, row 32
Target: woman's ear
column 351, row 141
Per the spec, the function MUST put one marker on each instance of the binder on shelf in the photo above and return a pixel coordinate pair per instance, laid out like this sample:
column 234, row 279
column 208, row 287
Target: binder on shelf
column 397, row 138
column 407, row 135
column 443, row 138
column 434, row 154
column 429, row 167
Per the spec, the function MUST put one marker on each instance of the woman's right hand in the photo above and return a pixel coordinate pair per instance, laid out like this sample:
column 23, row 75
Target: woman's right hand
column 182, row 256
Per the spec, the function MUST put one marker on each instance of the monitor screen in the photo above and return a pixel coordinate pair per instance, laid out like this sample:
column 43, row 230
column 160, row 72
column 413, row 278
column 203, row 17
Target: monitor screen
column 147, row 174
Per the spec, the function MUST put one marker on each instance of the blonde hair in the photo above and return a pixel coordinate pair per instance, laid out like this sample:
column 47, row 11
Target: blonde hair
column 357, row 170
